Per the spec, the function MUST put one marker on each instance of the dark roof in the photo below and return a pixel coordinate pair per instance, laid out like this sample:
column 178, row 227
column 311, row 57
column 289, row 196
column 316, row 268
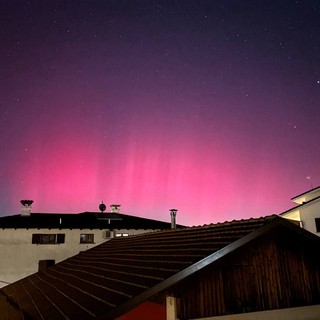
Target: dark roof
column 85, row 220
column 110, row 279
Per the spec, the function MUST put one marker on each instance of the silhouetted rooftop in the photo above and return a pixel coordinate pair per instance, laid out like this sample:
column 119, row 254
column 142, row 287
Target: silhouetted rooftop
column 110, row 279
column 85, row 220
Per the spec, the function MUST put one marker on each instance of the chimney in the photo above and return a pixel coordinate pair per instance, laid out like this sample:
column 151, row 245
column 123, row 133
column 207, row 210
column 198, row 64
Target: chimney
column 26, row 207
column 115, row 208
column 173, row 213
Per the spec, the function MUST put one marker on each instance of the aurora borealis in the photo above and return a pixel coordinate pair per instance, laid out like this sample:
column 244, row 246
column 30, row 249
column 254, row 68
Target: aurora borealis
column 210, row 107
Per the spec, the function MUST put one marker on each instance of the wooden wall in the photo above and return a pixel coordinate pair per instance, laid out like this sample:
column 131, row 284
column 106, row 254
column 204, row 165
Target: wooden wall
column 279, row 270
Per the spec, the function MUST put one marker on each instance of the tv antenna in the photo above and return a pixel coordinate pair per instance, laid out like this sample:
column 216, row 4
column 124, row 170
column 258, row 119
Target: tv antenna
column 309, row 178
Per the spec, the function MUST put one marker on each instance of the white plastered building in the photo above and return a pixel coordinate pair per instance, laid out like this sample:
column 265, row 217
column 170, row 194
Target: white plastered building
column 33, row 241
column 307, row 210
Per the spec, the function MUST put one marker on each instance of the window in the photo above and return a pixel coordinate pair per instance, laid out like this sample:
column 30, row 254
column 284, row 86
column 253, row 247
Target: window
column 38, row 238
column 86, row 238
column 317, row 224
column 122, row 235
column 45, row 264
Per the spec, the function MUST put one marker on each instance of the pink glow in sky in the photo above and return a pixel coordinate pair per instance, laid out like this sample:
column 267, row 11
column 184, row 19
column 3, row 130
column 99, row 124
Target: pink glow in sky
column 208, row 107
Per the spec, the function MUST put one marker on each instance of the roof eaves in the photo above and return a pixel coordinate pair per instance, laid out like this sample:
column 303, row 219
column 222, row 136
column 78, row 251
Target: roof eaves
column 300, row 205
column 135, row 301
column 301, row 231
column 304, row 193
column 14, row 309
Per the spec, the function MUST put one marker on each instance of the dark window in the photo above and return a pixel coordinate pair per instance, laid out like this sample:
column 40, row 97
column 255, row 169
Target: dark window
column 48, row 238
column 38, row 238
column 317, row 224
column 60, row 237
column 86, row 238
column 45, row 264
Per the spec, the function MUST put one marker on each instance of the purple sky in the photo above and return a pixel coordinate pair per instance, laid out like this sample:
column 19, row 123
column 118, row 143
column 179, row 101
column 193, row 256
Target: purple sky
column 210, row 107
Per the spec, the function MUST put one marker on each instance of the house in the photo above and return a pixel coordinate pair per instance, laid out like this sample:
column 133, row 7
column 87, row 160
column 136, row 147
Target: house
column 263, row 268
column 307, row 210
column 32, row 241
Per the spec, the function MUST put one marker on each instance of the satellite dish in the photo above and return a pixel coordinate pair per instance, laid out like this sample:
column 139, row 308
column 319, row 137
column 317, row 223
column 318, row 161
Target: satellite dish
column 102, row 206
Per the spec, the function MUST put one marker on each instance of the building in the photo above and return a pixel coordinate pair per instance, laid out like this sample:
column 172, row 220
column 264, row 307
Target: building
column 32, row 241
column 264, row 268
column 307, row 210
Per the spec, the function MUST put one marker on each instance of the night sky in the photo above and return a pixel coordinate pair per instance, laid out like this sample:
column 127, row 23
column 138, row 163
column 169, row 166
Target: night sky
column 209, row 107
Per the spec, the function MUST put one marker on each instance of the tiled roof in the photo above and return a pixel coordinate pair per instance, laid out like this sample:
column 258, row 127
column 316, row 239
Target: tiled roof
column 85, row 220
column 110, row 279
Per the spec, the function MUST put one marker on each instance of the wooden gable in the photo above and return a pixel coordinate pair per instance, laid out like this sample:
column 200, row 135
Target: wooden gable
column 277, row 270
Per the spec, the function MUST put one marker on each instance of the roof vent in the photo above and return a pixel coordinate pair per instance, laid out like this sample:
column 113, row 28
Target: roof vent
column 102, row 206
column 173, row 213
column 26, row 207
column 115, row 208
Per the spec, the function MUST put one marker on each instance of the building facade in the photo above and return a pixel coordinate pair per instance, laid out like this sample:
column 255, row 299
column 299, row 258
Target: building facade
column 33, row 241
column 306, row 211
column 263, row 268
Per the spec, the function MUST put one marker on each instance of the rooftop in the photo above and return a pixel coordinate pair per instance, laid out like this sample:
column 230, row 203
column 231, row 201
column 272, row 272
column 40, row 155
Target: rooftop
column 303, row 204
column 110, row 279
column 306, row 196
column 85, row 220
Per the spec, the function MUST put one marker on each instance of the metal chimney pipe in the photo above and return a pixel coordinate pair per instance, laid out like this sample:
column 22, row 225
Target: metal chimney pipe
column 173, row 213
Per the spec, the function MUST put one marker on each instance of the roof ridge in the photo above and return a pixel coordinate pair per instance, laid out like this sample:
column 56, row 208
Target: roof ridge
column 208, row 226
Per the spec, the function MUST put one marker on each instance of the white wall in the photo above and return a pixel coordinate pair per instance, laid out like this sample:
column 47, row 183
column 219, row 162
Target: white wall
column 312, row 194
column 20, row 258
column 301, row 313
column 308, row 213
